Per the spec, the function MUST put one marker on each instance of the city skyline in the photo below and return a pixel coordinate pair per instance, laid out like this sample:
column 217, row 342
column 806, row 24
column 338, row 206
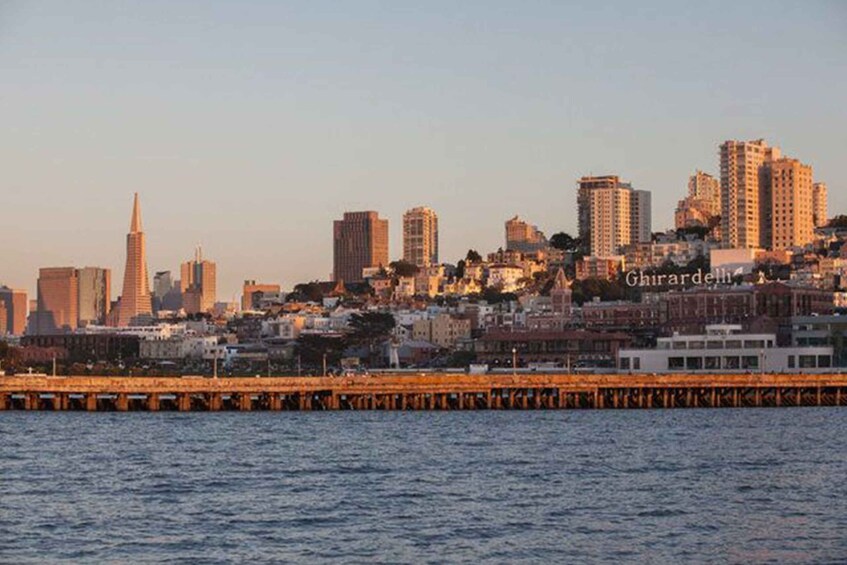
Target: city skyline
column 504, row 121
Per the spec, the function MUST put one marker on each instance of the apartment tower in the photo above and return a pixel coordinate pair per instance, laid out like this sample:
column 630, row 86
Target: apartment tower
column 745, row 193
column 792, row 204
column 612, row 215
column 420, row 237
column 360, row 241
column 524, row 237
column 819, row 204
column 135, row 300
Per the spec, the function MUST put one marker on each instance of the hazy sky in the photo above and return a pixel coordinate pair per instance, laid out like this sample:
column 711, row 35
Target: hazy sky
column 249, row 126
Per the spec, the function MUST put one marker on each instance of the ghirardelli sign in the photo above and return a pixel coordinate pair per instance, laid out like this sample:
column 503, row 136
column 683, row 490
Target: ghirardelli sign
column 640, row 279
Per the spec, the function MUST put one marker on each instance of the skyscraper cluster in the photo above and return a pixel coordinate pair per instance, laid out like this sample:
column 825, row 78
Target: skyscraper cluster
column 767, row 200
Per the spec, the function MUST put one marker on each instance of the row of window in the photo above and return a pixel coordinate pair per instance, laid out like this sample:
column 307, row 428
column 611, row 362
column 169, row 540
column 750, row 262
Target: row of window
column 717, row 344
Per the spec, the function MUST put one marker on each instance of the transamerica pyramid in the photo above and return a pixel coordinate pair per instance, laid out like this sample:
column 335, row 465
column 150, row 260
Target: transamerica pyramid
column 135, row 299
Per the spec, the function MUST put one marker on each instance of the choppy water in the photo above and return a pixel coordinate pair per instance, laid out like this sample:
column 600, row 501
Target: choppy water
column 577, row 487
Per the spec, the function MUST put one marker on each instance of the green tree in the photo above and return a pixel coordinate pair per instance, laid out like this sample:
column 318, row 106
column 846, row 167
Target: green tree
column 473, row 256
column 404, row 268
column 369, row 329
column 565, row 242
column 306, row 292
column 311, row 348
column 839, row 221
column 460, row 269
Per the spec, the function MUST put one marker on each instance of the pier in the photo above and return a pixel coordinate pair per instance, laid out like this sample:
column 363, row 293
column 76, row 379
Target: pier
column 420, row 392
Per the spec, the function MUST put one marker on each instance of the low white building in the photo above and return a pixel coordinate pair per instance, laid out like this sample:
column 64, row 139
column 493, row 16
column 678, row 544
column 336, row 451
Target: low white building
column 724, row 349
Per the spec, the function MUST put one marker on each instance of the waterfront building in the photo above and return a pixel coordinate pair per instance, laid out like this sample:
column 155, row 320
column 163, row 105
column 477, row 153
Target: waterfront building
column 724, row 348
column 442, row 330
column 57, row 310
column 792, row 222
column 88, row 347
column 822, row 331
column 524, row 237
column 420, row 237
column 360, row 241
column 620, row 316
column 198, row 284
column 772, row 305
column 135, row 301
column 819, row 204
column 16, row 307
column 94, row 295
column 569, row 349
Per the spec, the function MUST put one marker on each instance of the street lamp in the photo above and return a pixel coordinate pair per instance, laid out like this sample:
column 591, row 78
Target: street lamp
column 514, row 361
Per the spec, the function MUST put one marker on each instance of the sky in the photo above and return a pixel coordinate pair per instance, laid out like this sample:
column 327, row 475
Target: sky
column 248, row 127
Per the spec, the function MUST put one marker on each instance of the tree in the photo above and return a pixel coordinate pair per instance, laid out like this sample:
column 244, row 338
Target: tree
column 312, row 347
column 370, row 329
column 306, row 292
column 473, row 256
column 839, row 221
column 404, row 268
column 460, row 269
column 564, row 242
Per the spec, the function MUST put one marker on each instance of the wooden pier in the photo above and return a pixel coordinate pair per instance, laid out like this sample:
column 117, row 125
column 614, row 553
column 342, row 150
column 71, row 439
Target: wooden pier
column 421, row 392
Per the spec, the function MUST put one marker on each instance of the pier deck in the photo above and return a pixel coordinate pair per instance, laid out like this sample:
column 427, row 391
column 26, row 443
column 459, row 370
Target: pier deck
column 421, row 392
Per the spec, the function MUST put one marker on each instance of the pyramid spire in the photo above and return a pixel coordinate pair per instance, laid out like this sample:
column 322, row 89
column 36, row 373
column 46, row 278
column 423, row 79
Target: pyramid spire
column 135, row 224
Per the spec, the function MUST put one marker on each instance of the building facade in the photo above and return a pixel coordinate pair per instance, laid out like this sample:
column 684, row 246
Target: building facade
column 612, row 215
column 360, row 241
column 57, row 310
column 819, row 204
column 420, row 237
column 16, row 307
column 198, row 284
column 745, row 188
column 94, row 295
column 524, row 237
column 792, row 215
column 135, row 299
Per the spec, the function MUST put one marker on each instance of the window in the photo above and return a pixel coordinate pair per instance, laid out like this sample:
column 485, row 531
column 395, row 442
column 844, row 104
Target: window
column 625, row 363
column 714, row 345
column 680, row 345
column 676, row 362
column 696, row 345
column 694, row 363
column 731, row 362
column 754, row 344
column 713, row 363
column 750, row 362
column 637, row 363
column 792, row 362
column 733, row 344
column 824, row 361
column 807, row 361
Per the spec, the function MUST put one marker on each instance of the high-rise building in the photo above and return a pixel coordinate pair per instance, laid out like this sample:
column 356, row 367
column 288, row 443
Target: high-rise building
column 745, row 193
column 166, row 292
column 135, row 302
column 612, row 215
column 420, row 237
column 792, row 204
column 702, row 203
column 94, row 295
column 198, row 284
column 524, row 237
column 57, row 310
column 360, row 241
column 586, row 186
column 819, row 204
column 16, row 307
column 641, row 216
column 252, row 292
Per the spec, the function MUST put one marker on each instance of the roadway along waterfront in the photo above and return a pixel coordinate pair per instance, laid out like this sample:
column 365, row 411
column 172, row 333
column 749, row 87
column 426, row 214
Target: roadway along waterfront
column 422, row 392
